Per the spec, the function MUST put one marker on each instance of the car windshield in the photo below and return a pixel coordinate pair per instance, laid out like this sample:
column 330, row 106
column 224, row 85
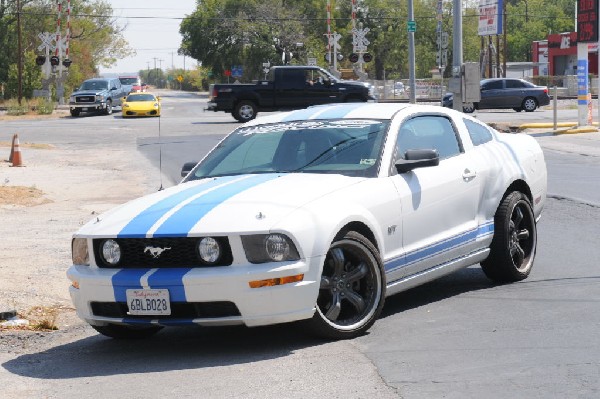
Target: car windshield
column 350, row 147
column 140, row 97
column 129, row 81
column 94, row 85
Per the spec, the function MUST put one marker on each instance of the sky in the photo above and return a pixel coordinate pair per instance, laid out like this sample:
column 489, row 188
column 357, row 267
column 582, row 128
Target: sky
column 155, row 37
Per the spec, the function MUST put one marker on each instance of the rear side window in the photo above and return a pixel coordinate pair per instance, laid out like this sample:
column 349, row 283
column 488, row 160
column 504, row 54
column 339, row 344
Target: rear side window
column 494, row 85
column 479, row 133
column 514, row 84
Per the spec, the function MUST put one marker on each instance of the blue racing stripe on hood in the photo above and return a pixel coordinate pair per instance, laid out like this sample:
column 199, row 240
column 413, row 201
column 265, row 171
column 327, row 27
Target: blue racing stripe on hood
column 340, row 111
column 139, row 225
column 181, row 222
column 302, row 114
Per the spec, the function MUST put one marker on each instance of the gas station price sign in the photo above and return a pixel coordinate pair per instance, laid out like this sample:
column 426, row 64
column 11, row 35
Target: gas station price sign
column 587, row 21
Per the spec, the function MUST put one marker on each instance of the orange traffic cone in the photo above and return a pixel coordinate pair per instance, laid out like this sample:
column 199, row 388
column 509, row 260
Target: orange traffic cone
column 16, row 158
column 12, row 148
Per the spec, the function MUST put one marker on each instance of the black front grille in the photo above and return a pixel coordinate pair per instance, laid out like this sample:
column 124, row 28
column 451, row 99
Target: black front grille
column 179, row 310
column 161, row 252
column 85, row 99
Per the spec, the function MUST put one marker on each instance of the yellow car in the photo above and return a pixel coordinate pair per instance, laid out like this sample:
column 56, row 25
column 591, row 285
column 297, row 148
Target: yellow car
column 141, row 104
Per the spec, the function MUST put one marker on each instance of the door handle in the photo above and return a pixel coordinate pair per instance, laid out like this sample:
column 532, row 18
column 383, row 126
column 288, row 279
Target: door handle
column 469, row 175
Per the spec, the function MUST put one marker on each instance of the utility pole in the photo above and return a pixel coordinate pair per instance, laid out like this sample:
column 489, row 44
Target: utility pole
column 172, row 64
column 457, row 55
column 411, row 55
column 19, row 55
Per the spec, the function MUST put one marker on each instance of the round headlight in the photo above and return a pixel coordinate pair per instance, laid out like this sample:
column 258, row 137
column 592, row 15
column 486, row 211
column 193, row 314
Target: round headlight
column 111, row 252
column 277, row 247
column 209, row 250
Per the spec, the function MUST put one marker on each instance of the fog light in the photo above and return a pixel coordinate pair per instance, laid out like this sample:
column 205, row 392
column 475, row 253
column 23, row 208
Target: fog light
column 276, row 281
column 209, row 250
column 111, row 252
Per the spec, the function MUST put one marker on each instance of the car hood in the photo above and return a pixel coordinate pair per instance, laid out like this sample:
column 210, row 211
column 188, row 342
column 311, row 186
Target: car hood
column 88, row 92
column 240, row 204
column 140, row 104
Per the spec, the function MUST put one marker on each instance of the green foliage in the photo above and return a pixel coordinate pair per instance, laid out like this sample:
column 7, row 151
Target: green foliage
column 95, row 40
column 14, row 109
column 44, row 106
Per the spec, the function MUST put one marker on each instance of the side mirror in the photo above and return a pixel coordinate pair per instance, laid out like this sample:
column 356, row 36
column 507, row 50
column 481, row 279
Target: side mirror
column 417, row 159
column 113, row 88
column 187, row 168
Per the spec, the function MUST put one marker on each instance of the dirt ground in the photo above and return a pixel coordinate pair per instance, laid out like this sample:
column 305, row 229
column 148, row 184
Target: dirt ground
column 42, row 204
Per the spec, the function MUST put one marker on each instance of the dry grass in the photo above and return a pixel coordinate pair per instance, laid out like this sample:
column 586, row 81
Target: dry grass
column 36, row 146
column 41, row 318
column 23, row 196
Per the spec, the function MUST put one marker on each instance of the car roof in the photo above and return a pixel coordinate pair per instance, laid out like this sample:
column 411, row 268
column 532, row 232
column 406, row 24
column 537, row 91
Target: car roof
column 342, row 111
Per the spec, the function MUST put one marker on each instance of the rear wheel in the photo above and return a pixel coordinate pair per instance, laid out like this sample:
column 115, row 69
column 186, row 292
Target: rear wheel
column 108, row 109
column 529, row 104
column 515, row 240
column 352, row 289
column 119, row 331
column 245, row 111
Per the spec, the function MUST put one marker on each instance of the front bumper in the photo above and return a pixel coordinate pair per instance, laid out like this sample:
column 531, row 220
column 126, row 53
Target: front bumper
column 88, row 106
column 194, row 287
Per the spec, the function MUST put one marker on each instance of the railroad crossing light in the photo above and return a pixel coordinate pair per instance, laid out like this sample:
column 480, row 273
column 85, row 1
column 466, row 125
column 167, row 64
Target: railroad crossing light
column 54, row 60
column 353, row 58
column 327, row 57
column 67, row 62
column 40, row 60
column 340, row 56
column 367, row 57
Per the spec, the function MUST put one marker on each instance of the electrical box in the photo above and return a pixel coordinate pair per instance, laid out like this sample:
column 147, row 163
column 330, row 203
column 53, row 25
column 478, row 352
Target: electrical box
column 470, row 83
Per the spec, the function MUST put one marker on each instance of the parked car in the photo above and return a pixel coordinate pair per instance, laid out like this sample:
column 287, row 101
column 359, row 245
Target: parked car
column 96, row 95
column 141, row 104
column 131, row 84
column 499, row 93
column 314, row 215
column 286, row 87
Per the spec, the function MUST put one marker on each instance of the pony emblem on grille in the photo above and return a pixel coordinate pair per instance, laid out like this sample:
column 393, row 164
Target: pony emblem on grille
column 155, row 251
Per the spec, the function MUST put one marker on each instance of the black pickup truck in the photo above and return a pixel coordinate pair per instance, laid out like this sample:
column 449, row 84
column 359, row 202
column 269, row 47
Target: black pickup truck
column 286, row 87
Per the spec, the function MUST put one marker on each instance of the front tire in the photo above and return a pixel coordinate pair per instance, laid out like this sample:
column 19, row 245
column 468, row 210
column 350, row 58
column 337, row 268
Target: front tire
column 245, row 111
column 75, row 112
column 352, row 289
column 119, row 331
column 108, row 109
column 515, row 240
column 468, row 108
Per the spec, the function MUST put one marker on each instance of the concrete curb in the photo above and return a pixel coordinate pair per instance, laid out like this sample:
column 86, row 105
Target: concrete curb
column 571, row 127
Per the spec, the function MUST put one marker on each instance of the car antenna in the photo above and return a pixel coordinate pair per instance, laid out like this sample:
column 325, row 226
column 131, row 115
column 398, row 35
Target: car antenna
column 160, row 156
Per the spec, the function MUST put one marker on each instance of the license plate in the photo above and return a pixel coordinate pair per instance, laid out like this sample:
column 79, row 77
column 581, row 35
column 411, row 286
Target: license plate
column 148, row 302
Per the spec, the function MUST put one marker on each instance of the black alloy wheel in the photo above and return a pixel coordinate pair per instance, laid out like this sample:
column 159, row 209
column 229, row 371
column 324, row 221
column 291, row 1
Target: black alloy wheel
column 514, row 244
column 352, row 289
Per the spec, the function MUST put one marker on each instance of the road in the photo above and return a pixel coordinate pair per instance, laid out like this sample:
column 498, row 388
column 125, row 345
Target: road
column 457, row 337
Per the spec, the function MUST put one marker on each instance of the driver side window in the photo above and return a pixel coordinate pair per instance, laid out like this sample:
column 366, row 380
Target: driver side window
column 428, row 132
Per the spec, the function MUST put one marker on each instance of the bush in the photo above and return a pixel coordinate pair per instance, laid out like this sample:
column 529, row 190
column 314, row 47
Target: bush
column 43, row 106
column 13, row 107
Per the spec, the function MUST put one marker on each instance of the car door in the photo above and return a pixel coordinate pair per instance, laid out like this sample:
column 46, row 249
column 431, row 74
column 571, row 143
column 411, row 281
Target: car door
column 320, row 89
column 290, row 88
column 492, row 92
column 440, row 203
column 515, row 93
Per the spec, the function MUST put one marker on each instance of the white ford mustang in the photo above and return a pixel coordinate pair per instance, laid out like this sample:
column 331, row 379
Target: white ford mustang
column 314, row 215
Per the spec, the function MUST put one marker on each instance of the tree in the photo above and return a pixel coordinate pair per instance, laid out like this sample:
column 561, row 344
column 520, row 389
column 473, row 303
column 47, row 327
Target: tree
column 96, row 38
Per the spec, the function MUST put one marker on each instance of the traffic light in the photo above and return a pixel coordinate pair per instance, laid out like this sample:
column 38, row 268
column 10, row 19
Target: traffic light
column 54, row 60
column 367, row 57
column 40, row 60
column 353, row 58
column 67, row 62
